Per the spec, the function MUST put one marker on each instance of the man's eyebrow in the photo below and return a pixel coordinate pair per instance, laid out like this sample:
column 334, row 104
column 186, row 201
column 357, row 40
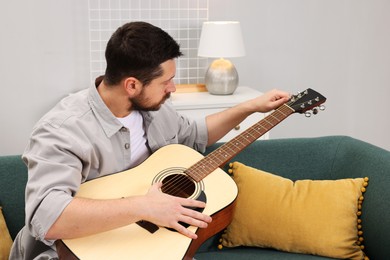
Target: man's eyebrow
column 169, row 79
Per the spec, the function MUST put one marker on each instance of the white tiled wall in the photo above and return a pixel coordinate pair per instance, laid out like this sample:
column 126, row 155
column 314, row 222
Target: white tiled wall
column 182, row 19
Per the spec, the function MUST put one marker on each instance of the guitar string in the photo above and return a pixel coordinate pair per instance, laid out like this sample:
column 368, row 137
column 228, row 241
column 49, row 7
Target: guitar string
column 273, row 118
column 204, row 165
column 178, row 184
column 246, row 138
column 207, row 165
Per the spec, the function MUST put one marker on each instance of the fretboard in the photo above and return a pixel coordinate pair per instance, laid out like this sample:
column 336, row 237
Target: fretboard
column 230, row 149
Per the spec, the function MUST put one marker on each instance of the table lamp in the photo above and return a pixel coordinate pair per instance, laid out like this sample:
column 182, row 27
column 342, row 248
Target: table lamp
column 222, row 39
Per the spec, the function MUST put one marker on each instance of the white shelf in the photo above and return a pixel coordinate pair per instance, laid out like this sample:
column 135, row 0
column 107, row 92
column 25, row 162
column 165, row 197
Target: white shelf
column 201, row 100
column 201, row 104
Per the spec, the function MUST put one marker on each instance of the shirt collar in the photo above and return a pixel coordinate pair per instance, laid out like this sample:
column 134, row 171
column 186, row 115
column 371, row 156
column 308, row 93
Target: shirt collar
column 107, row 120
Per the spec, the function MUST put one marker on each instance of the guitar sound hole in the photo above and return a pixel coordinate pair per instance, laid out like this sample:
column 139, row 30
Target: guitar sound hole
column 178, row 185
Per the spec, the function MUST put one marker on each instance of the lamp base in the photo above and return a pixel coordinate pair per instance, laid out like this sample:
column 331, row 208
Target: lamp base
column 221, row 77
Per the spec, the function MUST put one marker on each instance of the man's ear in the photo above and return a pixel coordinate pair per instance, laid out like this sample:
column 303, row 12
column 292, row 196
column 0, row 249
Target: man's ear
column 132, row 86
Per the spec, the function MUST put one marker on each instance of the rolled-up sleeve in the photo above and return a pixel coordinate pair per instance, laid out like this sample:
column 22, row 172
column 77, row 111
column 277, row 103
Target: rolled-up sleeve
column 54, row 176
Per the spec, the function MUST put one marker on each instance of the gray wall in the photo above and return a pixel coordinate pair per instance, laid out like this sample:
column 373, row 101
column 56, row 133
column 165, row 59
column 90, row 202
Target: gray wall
column 340, row 48
column 44, row 52
column 337, row 47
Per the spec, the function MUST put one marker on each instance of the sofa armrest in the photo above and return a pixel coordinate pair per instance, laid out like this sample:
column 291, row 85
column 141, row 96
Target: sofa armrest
column 13, row 176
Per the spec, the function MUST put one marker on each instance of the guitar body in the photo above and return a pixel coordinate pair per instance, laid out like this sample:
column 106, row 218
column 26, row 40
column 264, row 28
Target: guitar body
column 136, row 242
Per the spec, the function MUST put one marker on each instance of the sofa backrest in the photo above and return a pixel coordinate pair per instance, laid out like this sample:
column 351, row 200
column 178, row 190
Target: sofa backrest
column 13, row 178
column 358, row 159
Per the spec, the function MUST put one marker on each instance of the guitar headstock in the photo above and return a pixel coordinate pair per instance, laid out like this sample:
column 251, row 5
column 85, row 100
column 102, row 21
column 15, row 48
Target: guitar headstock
column 306, row 100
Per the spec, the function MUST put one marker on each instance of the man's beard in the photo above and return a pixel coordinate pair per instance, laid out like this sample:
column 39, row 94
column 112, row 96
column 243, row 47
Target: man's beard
column 140, row 103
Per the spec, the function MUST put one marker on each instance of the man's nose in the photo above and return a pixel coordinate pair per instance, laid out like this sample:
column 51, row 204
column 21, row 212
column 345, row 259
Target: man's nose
column 171, row 87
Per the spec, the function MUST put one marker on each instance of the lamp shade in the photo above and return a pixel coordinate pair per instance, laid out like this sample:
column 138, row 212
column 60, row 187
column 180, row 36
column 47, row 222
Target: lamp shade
column 221, row 39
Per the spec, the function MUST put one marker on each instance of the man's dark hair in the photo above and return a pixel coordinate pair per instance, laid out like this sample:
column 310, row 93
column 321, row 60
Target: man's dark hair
column 137, row 49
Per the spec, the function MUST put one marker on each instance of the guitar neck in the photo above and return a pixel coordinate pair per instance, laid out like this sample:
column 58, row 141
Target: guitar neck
column 230, row 149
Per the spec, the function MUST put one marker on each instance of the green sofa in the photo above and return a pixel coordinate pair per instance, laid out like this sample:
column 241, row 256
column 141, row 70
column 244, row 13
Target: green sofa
column 330, row 158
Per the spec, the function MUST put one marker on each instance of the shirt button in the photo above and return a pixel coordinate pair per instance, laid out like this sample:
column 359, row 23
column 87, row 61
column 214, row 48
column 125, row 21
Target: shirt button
column 127, row 146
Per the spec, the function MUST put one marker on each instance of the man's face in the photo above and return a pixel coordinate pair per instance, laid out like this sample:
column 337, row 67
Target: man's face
column 154, row 95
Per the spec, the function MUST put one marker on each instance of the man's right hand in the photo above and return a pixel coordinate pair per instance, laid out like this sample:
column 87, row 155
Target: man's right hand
column 166, row 210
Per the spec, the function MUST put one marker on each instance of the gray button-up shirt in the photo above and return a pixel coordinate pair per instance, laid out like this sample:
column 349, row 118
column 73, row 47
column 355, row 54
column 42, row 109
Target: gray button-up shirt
column 79, row 140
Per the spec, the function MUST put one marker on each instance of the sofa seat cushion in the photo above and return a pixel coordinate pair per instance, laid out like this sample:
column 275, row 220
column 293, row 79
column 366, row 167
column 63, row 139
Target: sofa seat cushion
column 310, row 217
column 255, row 253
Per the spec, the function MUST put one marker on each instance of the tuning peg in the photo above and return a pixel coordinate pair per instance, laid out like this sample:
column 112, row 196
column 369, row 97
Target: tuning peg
column 315, row 111
column 308, row 114
column 322, row 107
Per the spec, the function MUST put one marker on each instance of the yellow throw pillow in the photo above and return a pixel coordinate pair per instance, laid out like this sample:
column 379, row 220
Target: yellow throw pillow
column 5, row 238
column 305, row 216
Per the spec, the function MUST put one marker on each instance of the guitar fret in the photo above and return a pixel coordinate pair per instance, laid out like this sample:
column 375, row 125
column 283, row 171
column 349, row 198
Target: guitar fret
column 261, row 128
column 273, row 116
column 281, row 111
column 237, row 142
column 256, row 130
column 224, row 154
column 207, row 166
column 246, row 139
column 268, row 122
column 249, row 132
column 228, row 147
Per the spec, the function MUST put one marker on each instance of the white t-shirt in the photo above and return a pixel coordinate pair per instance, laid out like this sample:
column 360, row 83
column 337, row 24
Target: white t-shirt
column 139, row 150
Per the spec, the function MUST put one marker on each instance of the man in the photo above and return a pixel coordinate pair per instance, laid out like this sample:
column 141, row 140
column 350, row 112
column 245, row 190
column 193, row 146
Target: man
column 109, row 128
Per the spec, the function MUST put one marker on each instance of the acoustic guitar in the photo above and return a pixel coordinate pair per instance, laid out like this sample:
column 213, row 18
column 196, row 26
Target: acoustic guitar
column 184, row 173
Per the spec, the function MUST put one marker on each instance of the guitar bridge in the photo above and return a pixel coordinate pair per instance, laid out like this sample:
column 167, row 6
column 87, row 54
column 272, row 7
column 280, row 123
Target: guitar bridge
column 149, row 226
